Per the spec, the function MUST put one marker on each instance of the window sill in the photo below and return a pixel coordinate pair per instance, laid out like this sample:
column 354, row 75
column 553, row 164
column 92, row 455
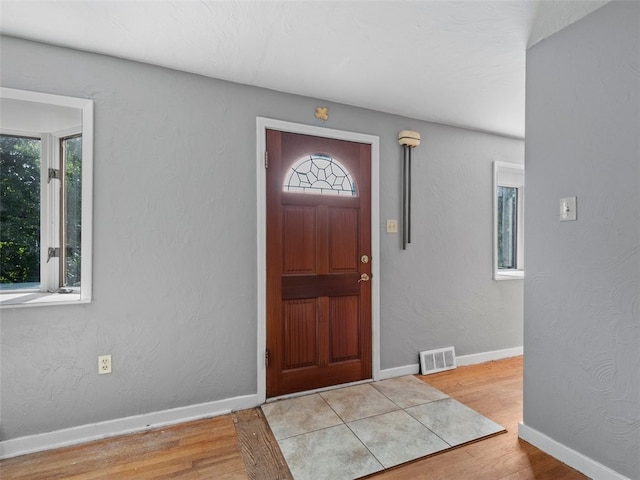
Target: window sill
column 509, row 275
column 39, row 299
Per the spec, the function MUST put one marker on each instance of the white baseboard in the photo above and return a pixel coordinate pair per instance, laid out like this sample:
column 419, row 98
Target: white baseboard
column 475, row 358
column 460, row 361
column 147, row 421
column 120, row 426
column 399, row 371
column 583, row 464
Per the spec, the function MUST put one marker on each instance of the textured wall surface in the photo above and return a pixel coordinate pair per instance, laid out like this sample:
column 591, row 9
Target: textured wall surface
column 174, row 245
column 582, row 289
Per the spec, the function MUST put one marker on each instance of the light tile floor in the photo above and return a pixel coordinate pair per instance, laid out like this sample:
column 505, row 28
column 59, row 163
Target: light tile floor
column 355, row 431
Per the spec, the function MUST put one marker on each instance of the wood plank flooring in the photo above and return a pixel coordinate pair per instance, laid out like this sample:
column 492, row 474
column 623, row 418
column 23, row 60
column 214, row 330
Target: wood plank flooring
column 493, row 389
column 240, row 446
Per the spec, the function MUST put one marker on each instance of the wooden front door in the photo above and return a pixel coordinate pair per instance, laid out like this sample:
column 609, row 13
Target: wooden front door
column 318, row 262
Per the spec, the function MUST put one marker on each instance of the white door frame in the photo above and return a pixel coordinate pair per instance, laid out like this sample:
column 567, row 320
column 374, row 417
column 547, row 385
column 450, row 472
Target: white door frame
column 262, row 124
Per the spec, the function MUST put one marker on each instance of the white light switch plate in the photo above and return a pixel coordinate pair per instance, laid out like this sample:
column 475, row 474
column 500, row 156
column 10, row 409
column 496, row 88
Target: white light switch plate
column 392, row 226
column 568, row 206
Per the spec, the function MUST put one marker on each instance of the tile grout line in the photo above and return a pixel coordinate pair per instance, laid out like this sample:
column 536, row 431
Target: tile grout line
column 399, row 408
column 407, row 399
column 355, row 434
column 367, row 448
column 402, row 409
column 425, row 426
column 313, row 430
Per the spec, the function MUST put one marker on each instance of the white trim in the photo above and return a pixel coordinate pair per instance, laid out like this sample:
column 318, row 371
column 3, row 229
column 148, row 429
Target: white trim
column 39, row 97
column 483, row 357
column 122, row 426
column 36, row 298
column 580, row 462
column 86, row 107
column 86, row 242
column 463, row 360
column 262, row 124
column 399, row 371
column 49, row 212
column 509, row 275
column 138, row 423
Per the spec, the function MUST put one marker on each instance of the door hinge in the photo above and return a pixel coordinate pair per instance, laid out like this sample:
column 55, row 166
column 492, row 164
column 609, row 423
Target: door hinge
column 53, row 252
column 266, row 159
column 266, row 358
column 53, row 173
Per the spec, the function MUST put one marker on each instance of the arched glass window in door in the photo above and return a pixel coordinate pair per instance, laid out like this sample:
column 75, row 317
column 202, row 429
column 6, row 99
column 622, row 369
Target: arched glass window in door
column 319, row 173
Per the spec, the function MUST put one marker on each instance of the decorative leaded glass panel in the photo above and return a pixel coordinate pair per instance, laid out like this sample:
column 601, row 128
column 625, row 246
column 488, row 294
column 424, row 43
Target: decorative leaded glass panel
column 319, row 173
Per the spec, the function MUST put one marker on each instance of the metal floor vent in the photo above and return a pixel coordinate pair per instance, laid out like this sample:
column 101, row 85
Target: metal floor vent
column 432, row 361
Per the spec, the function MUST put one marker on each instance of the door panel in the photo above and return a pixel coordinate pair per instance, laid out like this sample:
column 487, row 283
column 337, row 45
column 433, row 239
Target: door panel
column 300, row 334
column 318, row 308
column 344, row 328
column 343, row 240
column 299, row 239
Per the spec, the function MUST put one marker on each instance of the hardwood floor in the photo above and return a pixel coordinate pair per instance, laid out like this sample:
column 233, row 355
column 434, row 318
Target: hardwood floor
column 241, row 446
column 493, row 389
column 196, row 450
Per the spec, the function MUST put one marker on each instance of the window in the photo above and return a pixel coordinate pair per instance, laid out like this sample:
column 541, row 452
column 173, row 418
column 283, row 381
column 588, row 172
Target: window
column 507, row 228
column 319, row 174
column 508, row 207
column 45, row 198
column 19, row 212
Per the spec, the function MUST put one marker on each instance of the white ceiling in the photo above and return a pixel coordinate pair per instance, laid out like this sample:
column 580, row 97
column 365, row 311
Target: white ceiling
column 455, row 62
column 30, row 117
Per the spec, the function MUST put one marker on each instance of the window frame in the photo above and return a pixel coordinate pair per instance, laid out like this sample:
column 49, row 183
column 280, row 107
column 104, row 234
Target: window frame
column 509, row 175
column 292, row 171
column 48, row 293
column 60, row 138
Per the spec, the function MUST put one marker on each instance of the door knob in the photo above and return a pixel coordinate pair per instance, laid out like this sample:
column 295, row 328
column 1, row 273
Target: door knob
column 364, row 278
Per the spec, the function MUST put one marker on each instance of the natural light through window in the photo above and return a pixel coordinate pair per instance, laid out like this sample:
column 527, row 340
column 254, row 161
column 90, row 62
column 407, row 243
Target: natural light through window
column 20, row 214
column 507, row 227
column 319, row 174
column 508, row 212
column 45, row 189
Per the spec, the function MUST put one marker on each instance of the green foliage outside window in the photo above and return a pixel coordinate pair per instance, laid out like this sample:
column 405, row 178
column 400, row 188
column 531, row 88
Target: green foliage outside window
column 19, row 210
column 73, row 210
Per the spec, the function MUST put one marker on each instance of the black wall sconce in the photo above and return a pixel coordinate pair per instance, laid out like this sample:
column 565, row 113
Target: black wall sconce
column 408, row 140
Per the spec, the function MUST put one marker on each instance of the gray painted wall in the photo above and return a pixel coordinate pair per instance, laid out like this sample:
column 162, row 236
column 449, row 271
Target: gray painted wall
column 582, row 289
column 174, row 251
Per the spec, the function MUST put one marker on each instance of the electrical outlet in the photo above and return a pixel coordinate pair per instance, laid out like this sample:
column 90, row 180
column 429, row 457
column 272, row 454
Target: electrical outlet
column 104, row 364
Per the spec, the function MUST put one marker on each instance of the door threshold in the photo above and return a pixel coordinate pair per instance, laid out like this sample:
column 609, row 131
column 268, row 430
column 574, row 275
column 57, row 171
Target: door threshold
column 317, row 390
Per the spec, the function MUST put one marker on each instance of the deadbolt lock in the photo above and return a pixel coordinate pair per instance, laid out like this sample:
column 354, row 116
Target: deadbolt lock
column 364, row 259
